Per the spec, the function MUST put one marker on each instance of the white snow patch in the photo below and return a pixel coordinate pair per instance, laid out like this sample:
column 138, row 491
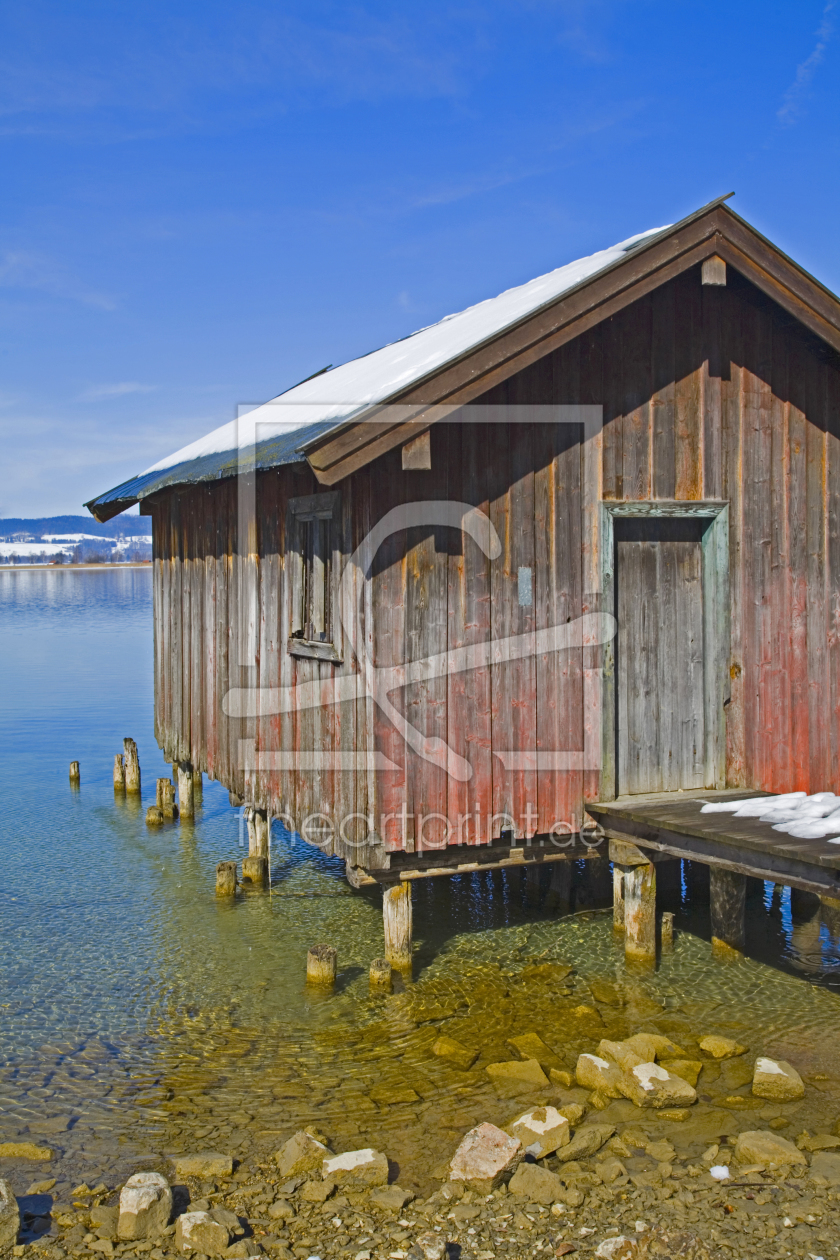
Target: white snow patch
column 770, row 1067
column 720, row 1172
column 647, row 1073
column 805, row 817
column 349, row 1160
column 337, row 394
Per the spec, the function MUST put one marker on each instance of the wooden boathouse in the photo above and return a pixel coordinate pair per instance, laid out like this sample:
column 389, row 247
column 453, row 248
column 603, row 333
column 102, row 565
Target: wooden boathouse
column 565, row 561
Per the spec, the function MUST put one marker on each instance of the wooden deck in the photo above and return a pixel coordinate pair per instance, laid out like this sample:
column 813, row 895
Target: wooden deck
column 670, row 825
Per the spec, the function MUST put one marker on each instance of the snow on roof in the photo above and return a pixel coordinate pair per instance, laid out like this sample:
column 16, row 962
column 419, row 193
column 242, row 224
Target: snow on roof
column 278, row 428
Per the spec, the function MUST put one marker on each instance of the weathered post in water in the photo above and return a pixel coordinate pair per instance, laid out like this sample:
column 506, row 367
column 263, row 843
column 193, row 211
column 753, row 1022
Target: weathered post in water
column 119, row 773
column 618, row 897
column 640, row 914
column 166, row 798
column 532, row 884
column 226, row 879
column 666, row 931
column 396, row 915
column 132, row 766
column 380, row 975
column 75, row 773
column 321, row 964
column 185, row 789
column 727, row 896
column 559, row 896
column 255, row 870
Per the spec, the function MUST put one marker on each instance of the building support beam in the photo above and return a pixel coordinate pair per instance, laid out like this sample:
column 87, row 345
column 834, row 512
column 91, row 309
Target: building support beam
column 185, row 789
column 396, row 916
column 727, row 895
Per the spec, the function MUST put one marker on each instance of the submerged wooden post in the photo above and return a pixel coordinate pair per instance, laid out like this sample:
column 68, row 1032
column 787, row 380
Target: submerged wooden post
column 396, row 915
column 321, row 964
column 75, row 773
column 618, row 897
column 380, row 974
column 727, row 893
column 261, row 832
column 198, row 786
column 255, row 870
column 226, row 879
column 119, row 773
column 185, row 789
column 132, row 766
column 640, row 914
column 559, row 895
column 532, row 884
column 666, row 931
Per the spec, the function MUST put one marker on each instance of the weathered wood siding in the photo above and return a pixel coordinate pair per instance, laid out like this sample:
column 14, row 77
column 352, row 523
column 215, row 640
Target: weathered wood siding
column 708, row 393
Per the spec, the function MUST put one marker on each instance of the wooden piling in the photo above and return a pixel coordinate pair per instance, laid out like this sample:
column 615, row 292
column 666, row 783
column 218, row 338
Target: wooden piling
column 154, row 816
column 226, row 879
column 532, row 885
column 321, row 964
column 666, row 931
column 640, row 914
column 618, row 897
column 380, row 975
column 727, row 894
column 396, row 916
column 185, row 789
column 198, row 786
column 119, row 773
column 559, row 895
column 261, row 832
column 166, row 798
column 132, row 766
column 255, row 870
column 75, row 773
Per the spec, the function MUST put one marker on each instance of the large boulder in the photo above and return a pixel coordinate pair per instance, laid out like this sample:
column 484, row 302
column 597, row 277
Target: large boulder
column 593, row 1072
column 356, row 1170
column 204, row 1165
column 486, row 1157
column 649, row 1085
column 145, row 1206
column 301, row 1154
column 760, row 1146
column 201, row 1232
column 777, row 1080
column 517, row 1074
column 541, row 1131
column 537, row 1184
column 9, row 1217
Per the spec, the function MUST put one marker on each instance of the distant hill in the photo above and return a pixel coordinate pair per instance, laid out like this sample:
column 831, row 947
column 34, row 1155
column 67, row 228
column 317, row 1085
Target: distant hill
column 37, row 527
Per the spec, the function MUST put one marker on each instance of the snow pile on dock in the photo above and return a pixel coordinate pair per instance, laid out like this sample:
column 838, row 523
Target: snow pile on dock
column 806, row 817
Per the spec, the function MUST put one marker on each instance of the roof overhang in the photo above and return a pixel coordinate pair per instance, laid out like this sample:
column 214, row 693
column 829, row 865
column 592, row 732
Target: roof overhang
column 713, row 230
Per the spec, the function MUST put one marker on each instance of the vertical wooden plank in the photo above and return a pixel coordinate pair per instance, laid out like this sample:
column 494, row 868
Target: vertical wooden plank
column 663, row 332
column 635, row 371
column 820, row 762
column 732, row 422
column 613, row 399
column 779, row 682
column 688, row 363
column 798, row 566
column 711, row 297
column 832, row 574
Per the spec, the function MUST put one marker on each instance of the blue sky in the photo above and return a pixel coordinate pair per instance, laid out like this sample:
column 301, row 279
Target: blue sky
column 204, row 203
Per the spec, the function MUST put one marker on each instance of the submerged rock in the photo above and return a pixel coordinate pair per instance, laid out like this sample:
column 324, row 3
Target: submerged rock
column 514, row 1072
column 204, row 1164
column 721, row 1047
column 777, row 1080
column 530, row 1046
column 688, row 1069
column 451, row 1050
column 825, row 1164
column 145, row 1206
column 486, row 1157
column 25, row 1150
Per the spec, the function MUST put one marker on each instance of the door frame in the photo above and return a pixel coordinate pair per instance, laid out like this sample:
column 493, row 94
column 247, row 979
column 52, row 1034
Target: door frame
column 715, row 580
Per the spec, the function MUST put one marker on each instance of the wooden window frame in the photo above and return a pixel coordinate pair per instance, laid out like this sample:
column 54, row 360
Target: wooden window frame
column 311, row 532
column 716, row 644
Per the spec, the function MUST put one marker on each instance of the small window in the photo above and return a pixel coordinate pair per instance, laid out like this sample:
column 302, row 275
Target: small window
column 311, row 534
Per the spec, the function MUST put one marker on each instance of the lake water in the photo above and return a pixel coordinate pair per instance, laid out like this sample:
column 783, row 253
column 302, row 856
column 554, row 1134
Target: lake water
column 142, row 1017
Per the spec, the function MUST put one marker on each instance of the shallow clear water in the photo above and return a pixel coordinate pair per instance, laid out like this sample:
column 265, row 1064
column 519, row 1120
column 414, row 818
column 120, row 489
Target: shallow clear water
column 141, row 1016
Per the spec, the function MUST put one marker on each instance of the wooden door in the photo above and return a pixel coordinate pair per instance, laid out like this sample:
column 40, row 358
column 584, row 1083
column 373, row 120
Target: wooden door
column 660, row 686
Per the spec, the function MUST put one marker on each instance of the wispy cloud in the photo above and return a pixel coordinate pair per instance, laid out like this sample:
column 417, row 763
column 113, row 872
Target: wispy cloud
column 23, row 269
column 96, row 393
column 792, row 101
